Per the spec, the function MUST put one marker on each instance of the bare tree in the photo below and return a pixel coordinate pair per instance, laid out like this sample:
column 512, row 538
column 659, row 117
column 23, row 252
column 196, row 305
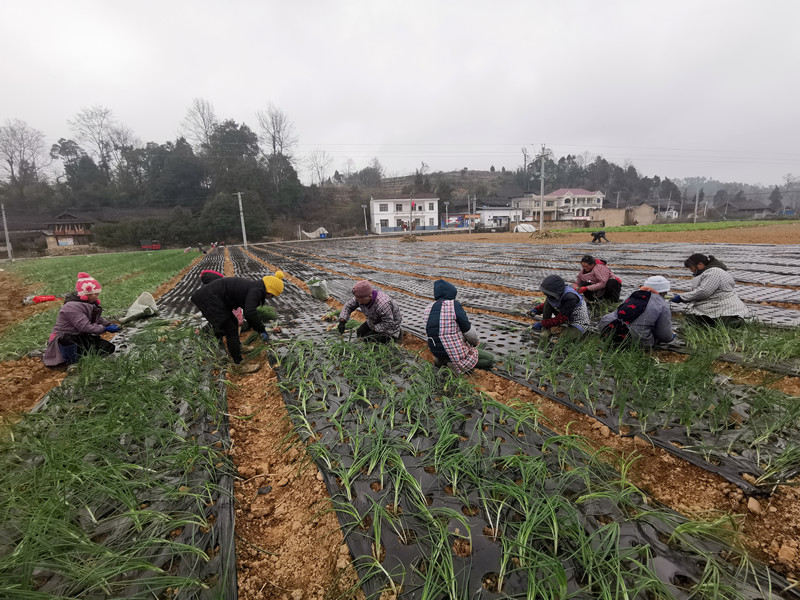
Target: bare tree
column 102, row 135
column 199, row 123
column 320, row 163
column 277, row 131
column 23, row 152
column 349, row 169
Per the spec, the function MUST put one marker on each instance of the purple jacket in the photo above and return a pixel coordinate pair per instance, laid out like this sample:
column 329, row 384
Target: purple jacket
column 76, row 316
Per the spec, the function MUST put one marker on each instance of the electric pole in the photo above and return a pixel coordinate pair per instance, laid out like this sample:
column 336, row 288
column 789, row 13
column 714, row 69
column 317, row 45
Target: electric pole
column 617, row 200
column 241, row 217
column 696, row 200
column 5, row 229
column 541, row 194
column 525, row 168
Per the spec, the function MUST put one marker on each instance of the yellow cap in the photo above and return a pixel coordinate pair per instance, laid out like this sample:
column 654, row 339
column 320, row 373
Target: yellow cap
column 274, row 283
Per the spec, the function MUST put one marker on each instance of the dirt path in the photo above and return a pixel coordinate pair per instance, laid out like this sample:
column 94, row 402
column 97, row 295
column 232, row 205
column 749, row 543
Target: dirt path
column 779, row 233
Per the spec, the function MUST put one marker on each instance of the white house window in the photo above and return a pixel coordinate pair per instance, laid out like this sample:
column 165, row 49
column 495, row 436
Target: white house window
column 549, row 203
column 416, row 222
column 566, row 200
column 430, row 221
column 384, row 222
column 420, row 207
column 398, row 208
column 430, row 207
column 399, row 223
column 383, row 207
column 598, row 201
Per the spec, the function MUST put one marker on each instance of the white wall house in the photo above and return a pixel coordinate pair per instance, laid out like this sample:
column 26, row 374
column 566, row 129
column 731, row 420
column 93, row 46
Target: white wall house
column 564, row 204
column 499, row 216
column 395, row 214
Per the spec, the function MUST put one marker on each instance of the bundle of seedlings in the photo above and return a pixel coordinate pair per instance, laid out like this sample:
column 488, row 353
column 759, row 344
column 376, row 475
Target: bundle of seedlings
column 443, row 492
column 119, row 485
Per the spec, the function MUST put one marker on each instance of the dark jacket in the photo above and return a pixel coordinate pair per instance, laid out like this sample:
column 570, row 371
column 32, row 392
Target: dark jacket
column 646, row 318
column 218, row 298
column 77, row 317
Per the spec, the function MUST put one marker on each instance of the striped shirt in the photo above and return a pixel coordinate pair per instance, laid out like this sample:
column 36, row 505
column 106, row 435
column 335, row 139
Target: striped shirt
column 713, row 295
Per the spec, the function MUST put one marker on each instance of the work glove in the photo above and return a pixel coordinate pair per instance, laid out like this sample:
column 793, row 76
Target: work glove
column 676, row 299
column 582, row 289
column 113, row 328
column 537, row 326
column 340, row 327
column 265, row 337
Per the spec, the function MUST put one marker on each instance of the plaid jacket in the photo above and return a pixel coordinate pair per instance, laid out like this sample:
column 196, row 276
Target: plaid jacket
column 712, row 295
column 383, row 313
column 449, row 337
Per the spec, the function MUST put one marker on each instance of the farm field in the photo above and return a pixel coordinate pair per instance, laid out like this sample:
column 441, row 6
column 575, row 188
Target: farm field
column 566, row 471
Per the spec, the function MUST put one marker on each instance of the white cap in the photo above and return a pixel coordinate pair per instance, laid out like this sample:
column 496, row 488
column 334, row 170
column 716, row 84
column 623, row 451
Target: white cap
column 658, row 283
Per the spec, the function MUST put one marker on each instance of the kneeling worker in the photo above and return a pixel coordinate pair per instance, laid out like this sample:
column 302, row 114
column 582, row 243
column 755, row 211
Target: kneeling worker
column 383, row 314
column 79, row 325
column 451, row 338
column 643, row 317
column 219, row 298
column 564, row 306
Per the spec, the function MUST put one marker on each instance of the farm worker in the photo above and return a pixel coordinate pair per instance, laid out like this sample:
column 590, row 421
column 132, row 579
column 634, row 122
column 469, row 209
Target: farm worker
column 598, row 237
column 209, row 275
column 712, row 299
column 643, row 317
column 382, row 312
column 563, row 306
column 217, row 300
column 452, row 339
column 596, row 281
column 79, row 325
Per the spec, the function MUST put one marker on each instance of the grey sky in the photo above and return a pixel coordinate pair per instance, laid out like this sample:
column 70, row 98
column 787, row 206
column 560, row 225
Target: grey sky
column 680, row 88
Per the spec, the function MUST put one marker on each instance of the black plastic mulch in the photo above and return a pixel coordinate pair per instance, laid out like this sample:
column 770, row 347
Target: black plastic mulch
column 491, row 433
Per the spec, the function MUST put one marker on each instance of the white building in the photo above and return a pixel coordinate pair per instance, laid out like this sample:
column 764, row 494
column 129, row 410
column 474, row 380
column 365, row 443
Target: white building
column 499, row 216
column 565, row 204
column 395, row 214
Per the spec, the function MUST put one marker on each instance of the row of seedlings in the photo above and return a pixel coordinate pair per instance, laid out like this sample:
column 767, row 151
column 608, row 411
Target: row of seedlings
column 119, row 486
column 445, row 493
column 683, row 406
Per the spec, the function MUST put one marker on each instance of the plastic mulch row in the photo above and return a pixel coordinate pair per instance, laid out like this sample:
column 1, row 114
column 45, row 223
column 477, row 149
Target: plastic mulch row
column 219, row 572
column 405, row 544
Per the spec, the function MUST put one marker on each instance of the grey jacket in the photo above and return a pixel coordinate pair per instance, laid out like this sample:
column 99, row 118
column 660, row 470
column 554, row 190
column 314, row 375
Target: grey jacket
column 653, row 326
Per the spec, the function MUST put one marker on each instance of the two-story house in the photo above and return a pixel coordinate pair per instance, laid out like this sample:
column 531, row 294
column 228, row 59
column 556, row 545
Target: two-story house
column 404, row 213
column 564, row 204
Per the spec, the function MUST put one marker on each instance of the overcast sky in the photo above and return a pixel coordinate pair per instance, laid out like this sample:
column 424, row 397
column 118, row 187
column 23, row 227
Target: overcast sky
column 678, row 88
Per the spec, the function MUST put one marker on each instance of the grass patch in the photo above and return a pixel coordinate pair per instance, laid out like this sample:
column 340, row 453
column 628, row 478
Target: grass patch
column 134, row 273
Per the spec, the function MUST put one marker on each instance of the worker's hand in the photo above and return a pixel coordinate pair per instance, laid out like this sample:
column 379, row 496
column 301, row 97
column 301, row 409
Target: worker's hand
column 265, row 337
column 341, row 327
column 676, row 299
column 537, row 326
column 113, row 328
column 582, row 289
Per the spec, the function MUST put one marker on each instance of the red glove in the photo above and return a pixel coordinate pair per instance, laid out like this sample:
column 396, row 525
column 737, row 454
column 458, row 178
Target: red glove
column 582, row 289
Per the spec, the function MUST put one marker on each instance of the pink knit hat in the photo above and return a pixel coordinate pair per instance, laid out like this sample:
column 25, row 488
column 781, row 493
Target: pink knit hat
column 87, row 285
column 362, row 288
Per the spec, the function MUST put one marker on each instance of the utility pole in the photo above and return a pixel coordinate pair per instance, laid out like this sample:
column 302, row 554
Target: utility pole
column 366, row 227
column 241, row 217
column 617, row 200
column 525, row 168
column 446, row 215
column 5, row 229
column 696, row 200
column 541, row 194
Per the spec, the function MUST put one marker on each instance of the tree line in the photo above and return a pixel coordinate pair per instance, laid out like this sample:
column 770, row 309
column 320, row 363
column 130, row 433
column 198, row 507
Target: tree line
column 192, row 182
